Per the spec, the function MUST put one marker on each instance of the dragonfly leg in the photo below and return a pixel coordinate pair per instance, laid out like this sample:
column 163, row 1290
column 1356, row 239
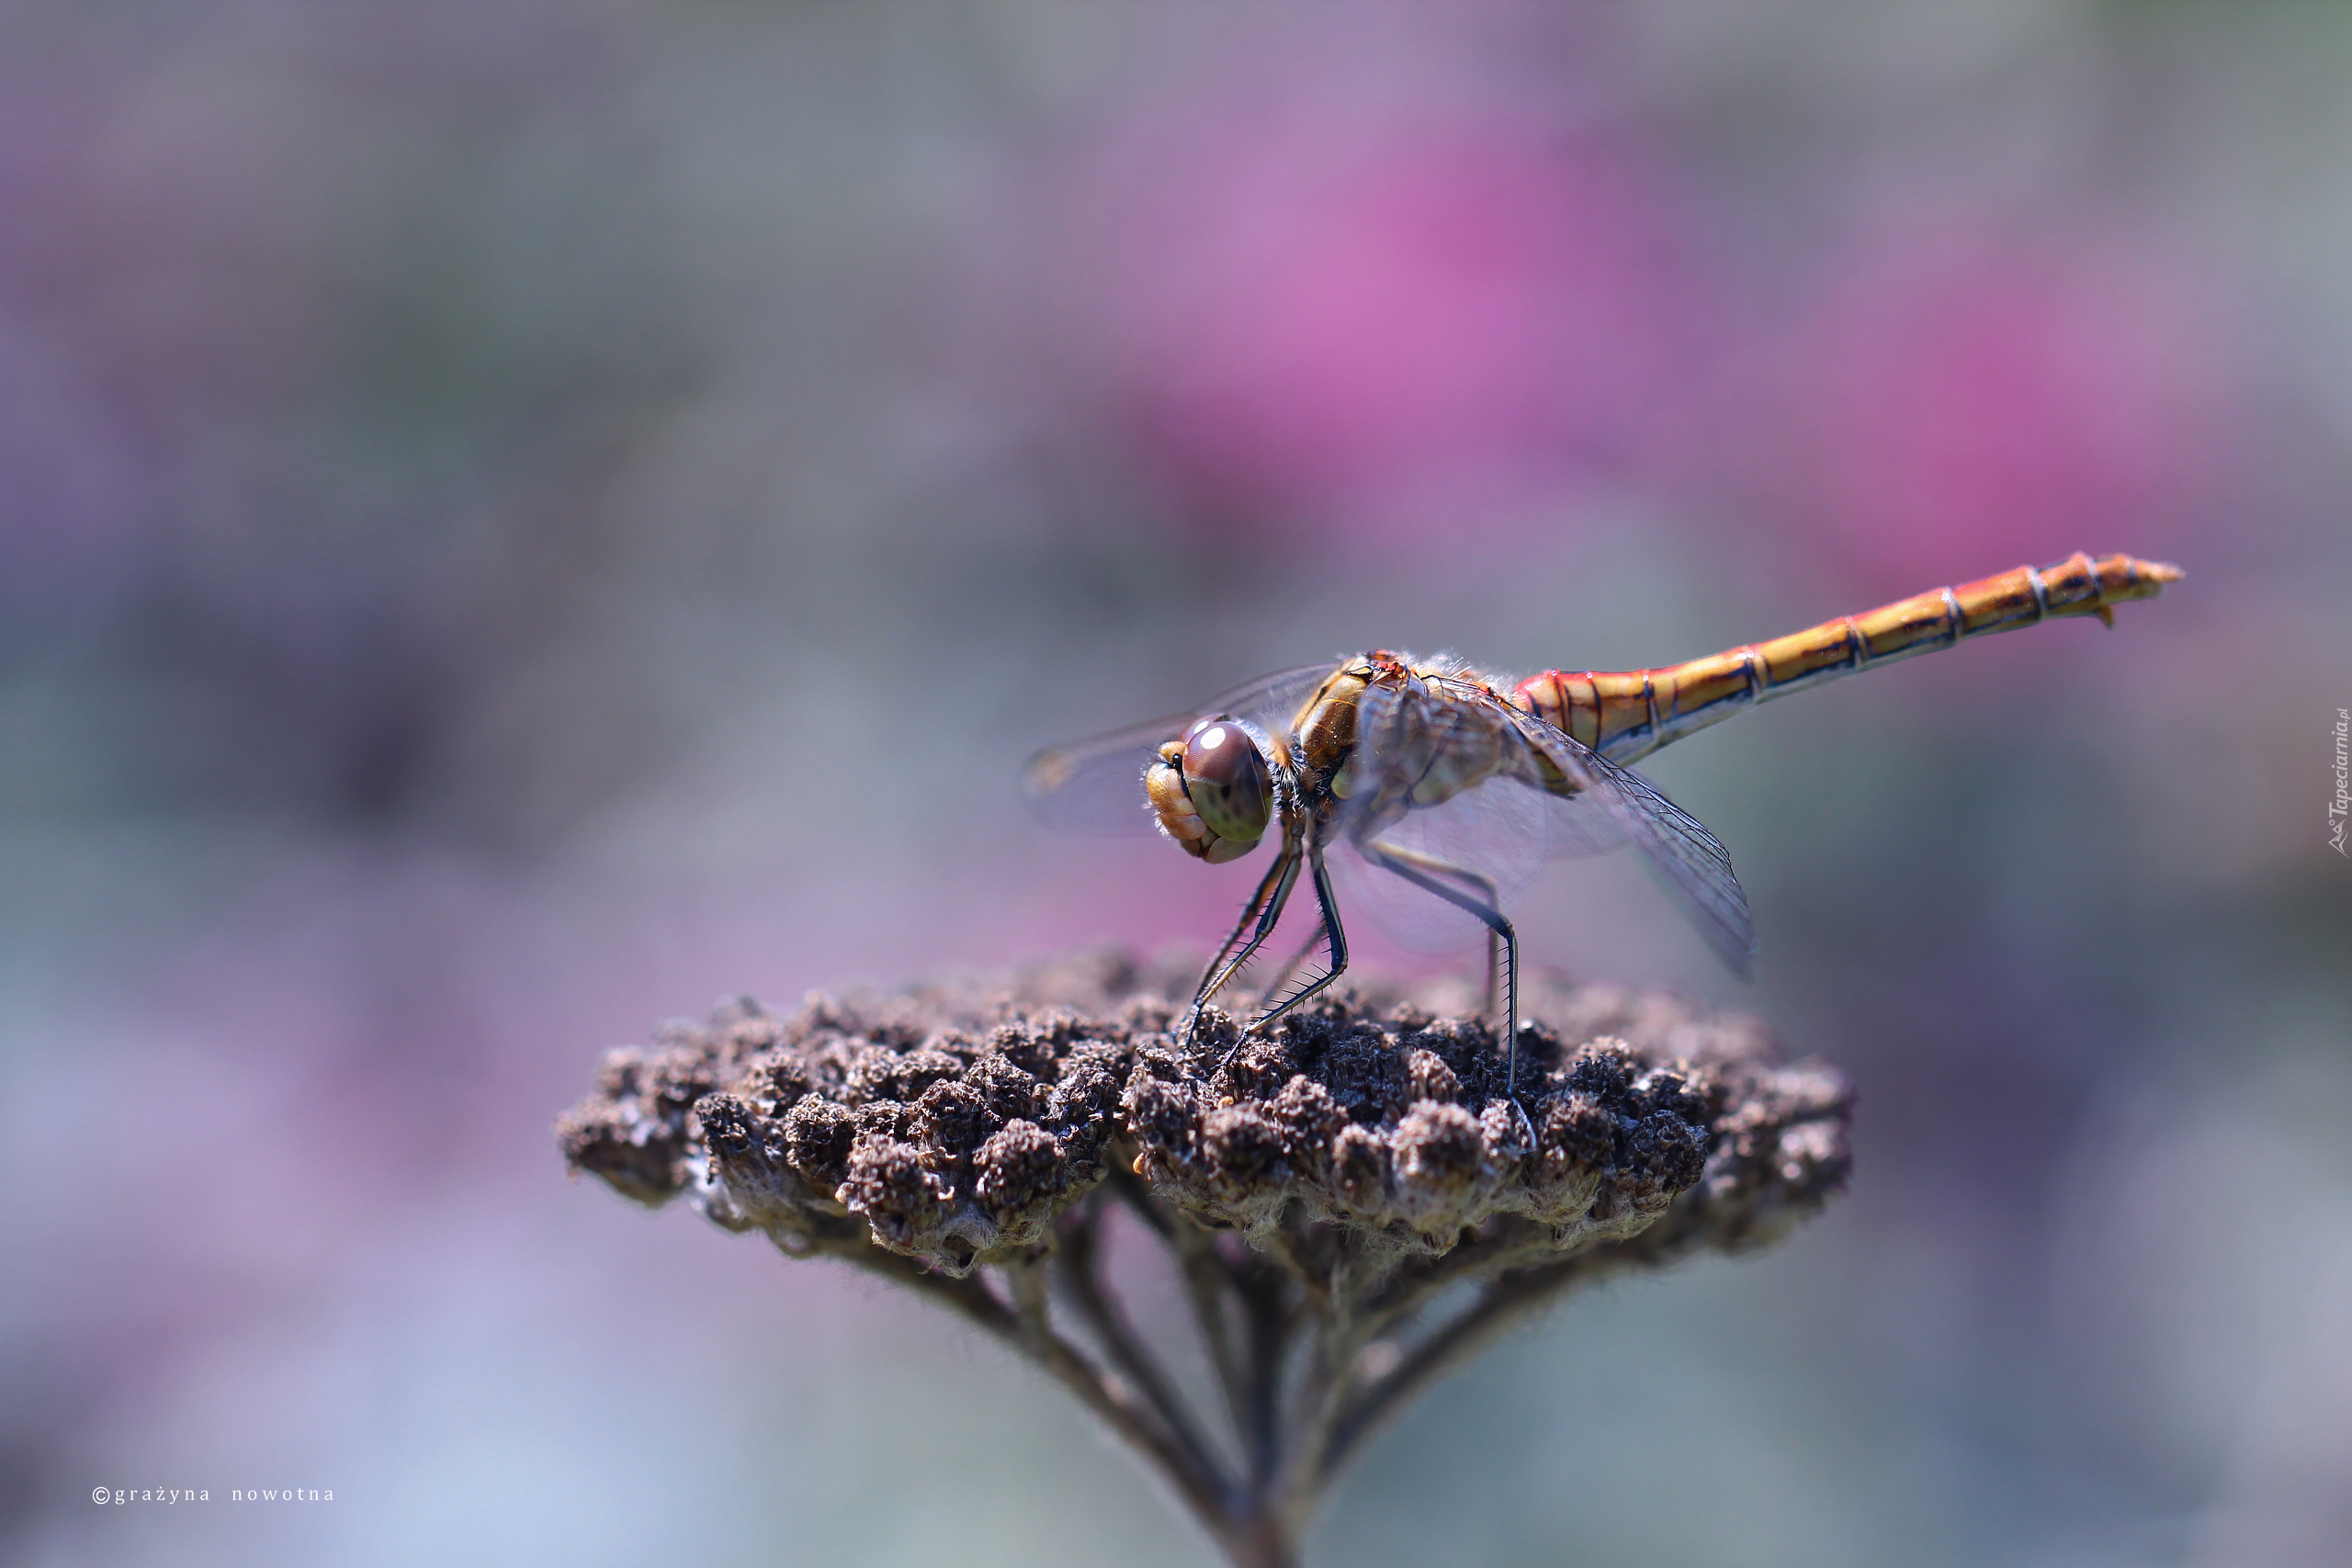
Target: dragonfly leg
column 1250, row 910
column 1265, row 906
column 1330, row 932
column 1494, row 970
column 1427, row 871
column 1291, row 965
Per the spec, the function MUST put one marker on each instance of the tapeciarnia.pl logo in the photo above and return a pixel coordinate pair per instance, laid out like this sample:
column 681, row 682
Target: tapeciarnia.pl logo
column 2341, row 805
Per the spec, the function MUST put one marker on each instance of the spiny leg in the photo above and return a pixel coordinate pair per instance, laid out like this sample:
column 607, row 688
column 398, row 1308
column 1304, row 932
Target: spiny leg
column 1502, row 946
column 1266, row 904
column 1423, row 871
column 1250, row 909
column 1280, row 976
column 1331, row 932
column 1494, row 971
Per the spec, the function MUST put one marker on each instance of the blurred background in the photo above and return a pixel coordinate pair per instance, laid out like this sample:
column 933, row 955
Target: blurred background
column 518, row 518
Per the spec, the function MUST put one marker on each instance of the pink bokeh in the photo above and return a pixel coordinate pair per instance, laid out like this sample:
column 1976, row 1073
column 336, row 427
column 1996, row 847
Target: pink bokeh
column 1971, row 396
column 1307, row 325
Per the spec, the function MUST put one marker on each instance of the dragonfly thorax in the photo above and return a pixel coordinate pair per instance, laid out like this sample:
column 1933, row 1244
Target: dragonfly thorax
column 1391, row 734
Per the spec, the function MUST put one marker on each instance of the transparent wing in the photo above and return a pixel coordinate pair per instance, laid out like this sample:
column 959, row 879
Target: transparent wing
column 1095, row 785
column 1690, row 861
column 1578, row 827
column 1498, row 830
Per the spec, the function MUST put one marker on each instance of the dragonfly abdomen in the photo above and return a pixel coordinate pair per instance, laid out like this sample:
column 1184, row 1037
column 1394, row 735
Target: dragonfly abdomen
column 1629, row 714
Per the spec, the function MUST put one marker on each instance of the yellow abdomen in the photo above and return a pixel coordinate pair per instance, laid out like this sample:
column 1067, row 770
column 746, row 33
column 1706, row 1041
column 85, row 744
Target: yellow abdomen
column 1629, row 714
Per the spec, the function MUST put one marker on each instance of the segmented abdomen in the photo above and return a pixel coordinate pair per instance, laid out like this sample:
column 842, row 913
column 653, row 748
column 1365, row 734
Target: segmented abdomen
column 1629, row 714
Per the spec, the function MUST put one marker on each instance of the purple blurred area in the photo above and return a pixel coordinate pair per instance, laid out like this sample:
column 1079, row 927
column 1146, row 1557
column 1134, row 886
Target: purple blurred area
column 520, row 518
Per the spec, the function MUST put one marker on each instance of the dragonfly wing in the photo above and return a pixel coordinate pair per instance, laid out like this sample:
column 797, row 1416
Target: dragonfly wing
column 1095, row 785
column 1691, row 862
column 1578, row 827
column 1496, row 828
column 1270, row 702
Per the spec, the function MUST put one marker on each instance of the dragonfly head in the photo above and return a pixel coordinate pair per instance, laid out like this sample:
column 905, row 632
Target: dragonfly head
column 1213, row 790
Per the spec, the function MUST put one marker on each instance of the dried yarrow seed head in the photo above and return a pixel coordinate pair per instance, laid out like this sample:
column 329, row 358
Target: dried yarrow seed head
column 1353, row 1188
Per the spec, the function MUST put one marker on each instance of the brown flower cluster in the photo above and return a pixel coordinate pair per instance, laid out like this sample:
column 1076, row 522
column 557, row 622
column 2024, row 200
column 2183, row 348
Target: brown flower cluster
column 1323, row 1187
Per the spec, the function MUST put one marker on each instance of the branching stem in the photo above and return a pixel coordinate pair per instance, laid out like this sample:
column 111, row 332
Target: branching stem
column 1343, row 1221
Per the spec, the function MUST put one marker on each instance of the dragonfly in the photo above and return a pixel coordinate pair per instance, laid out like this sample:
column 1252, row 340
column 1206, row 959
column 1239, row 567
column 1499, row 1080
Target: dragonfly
column 1459, row 783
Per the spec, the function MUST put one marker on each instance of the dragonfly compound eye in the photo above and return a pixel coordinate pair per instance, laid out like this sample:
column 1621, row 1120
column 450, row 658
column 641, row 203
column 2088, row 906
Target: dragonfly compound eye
column 1211, row 790
column 1226, row 779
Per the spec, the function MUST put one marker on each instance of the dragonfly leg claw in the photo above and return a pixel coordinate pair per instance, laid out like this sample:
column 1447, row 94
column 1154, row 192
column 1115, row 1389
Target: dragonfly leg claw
column 1510, row 1086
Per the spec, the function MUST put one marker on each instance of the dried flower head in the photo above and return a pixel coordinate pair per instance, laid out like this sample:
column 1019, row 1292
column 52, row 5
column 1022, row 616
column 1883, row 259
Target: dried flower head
column 1351, row 1200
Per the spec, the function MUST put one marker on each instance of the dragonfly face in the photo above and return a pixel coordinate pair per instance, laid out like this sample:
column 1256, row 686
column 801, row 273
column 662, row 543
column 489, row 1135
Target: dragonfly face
column 1212, row 789
column 1217, row 787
